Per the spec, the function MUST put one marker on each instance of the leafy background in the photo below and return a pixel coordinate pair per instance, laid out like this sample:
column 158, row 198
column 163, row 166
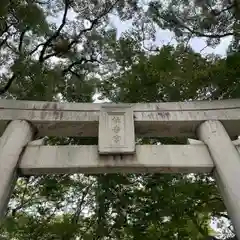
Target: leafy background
column 70, row 51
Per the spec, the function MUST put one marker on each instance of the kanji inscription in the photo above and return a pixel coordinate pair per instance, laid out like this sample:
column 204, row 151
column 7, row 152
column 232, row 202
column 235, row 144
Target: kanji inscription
column 116, row 130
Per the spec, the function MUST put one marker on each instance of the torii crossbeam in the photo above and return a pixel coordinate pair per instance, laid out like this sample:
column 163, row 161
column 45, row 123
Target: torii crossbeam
column 215, row 124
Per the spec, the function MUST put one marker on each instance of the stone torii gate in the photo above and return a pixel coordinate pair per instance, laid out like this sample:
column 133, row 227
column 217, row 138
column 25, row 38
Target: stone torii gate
column 214, row 124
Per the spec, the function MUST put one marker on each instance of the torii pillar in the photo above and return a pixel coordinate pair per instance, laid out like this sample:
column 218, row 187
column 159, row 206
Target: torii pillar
column 227, row 166
column 17, row 134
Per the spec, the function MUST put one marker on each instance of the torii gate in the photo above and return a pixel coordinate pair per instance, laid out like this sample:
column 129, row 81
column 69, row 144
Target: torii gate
column 116, row 125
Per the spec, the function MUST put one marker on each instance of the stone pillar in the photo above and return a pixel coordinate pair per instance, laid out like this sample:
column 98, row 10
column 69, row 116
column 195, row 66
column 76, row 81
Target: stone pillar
column 227, row 166
column 17, row 134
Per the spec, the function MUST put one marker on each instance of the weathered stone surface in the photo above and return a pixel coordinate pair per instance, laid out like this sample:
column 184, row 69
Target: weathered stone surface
column 151, row 119
column 116, row 130
column 226, row 159
column 85, row 159
column 16, row 136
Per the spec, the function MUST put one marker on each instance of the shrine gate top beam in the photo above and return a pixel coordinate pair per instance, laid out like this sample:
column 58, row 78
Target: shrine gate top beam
column 150, row 119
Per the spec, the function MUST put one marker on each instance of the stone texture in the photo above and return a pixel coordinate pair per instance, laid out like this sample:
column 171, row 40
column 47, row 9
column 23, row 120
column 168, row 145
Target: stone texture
column 116, row 130
column 17, row 134
column 151, row 119
column 85, row 159
column 226, row 159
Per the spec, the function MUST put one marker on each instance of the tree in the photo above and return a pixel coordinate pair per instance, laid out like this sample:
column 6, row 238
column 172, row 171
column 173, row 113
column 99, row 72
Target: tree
column 202, row 18
column 175, row 74
column 69, row 61
column 36, row 50
column 69, row 51
column 117, row 206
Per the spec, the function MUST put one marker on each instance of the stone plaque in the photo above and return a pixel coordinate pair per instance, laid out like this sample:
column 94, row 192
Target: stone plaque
column 116, row 130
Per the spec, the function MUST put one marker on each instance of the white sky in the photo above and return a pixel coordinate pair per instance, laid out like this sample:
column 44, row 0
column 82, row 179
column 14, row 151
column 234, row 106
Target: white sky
column 162, row 36
column 165, row 36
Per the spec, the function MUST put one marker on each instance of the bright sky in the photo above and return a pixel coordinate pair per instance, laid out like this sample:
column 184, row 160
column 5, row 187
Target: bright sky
column 165, row 36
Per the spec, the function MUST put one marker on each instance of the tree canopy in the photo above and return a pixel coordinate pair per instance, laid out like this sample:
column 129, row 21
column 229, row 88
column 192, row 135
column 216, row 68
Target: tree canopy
column 69, row 50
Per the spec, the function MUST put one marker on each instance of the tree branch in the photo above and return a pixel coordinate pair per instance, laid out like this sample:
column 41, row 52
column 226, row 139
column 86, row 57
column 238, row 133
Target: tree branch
column 69, row 68
column 80, row 203
column 215, row 13
column 178, row 21
column 3, row 41
column 56, row 34
column 21, row 40
column 200, row 34
column 10, row 81
column 223, row 215
column 49, row 56
column 10, row 47
column 8, row 85
column 83, row 60
column 6, row 28
column 36, row 48
column 74, row 73
column 41, row 3
column 22, row 203
column 93, row 23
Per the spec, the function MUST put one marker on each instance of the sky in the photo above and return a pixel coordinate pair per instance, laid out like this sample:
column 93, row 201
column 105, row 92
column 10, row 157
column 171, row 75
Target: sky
column 165, row 36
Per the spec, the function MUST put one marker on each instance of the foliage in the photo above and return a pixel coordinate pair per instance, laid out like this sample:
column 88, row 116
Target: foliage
column 212, row 19
column 70, row 60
